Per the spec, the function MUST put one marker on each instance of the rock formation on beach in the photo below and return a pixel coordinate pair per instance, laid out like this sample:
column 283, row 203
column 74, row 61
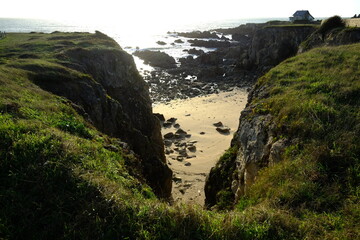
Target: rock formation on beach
column 156, row 58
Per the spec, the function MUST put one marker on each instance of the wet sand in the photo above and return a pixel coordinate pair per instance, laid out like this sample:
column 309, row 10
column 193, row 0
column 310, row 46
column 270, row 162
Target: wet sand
column 196, row 116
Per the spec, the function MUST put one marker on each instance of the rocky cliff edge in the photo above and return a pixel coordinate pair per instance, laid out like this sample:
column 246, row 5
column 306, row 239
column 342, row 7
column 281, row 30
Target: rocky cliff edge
column 109, row 93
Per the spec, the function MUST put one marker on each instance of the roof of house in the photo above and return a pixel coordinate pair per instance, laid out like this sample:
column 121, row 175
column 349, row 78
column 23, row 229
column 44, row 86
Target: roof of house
column 302, row 13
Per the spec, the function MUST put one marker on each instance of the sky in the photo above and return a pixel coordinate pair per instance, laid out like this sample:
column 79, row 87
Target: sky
column 167, row 11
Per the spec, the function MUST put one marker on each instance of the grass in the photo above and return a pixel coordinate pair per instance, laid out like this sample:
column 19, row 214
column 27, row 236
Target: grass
column 314, row 99
column 222, row 189
column 62, row 179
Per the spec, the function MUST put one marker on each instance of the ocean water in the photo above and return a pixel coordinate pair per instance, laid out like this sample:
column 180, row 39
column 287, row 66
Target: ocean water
column 129, row 37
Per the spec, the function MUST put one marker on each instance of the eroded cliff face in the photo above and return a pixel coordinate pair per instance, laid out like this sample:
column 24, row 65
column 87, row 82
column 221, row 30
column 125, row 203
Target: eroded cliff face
column 272, row 45
column 255, row 140
column 256, row 148
column 113, row 96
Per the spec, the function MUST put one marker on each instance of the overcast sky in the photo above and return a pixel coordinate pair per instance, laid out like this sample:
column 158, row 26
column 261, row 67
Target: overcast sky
column 166, row 11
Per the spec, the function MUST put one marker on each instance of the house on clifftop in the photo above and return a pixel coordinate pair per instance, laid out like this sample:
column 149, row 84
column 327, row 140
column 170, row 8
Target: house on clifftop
column 302, row 15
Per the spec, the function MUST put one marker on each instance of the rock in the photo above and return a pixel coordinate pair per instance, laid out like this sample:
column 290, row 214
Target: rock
column 240, row 38
column 179, row 158
column 161, row 43
column 224, row 38
column 272, row 45
column 181, row 132
column 177, row 179
column 179, row 41
column 169, row 135
column 168, row 151
column 202, row 133
column 211, row 72
column 187, row 115
column 195, row 51
column 156, row 58
column 223, row 130
column 218, row 124
column 160, row 117
column 276, row 151
column 187, row 164
column 172, row 120
column 167, row 142
column 188, row 135
column 187, row 185
column 176, row 125
column 192, row 148
column 183, row 152
column 179, row 136
column 167, row 124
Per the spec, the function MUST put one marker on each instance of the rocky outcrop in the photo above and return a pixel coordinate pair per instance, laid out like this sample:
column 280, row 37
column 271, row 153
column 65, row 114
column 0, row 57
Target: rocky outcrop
column 194, row 51
column 156, row 58
column 272, row 45
column 256, row 148
column 111, row 94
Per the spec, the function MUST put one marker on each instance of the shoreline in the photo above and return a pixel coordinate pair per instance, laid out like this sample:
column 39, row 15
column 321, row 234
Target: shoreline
column 192, row 157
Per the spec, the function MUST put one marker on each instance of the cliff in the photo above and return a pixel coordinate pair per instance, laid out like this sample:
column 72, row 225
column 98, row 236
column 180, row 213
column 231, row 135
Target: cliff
column 273, row 44
column 61, row 178
column 102, row 82
column 257, row 48
column 298, row 138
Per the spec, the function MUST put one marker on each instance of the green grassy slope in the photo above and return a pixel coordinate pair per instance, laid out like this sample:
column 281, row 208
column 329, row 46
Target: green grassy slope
column 59, row 176
column 314, row 99
column 62, row 179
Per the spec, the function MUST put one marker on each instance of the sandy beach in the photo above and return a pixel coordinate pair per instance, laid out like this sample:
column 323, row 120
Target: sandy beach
column 203, row 143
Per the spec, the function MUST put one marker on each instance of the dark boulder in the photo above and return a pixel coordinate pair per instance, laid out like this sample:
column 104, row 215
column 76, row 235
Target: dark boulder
column 160, row 117
column 223, row 130
column 156, row 58
column 178, row 41
column 162, row 43
column 195, row 51
column 218, row 124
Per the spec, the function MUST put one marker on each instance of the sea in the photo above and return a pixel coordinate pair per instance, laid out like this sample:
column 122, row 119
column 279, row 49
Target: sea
column 130, row 38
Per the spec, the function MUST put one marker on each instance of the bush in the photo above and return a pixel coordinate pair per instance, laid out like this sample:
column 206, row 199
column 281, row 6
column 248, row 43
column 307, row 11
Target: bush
column 330, row 24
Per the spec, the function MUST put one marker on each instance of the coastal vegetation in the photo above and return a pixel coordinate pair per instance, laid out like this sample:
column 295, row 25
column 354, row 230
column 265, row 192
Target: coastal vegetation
column 313, row 102
column 61, row 178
